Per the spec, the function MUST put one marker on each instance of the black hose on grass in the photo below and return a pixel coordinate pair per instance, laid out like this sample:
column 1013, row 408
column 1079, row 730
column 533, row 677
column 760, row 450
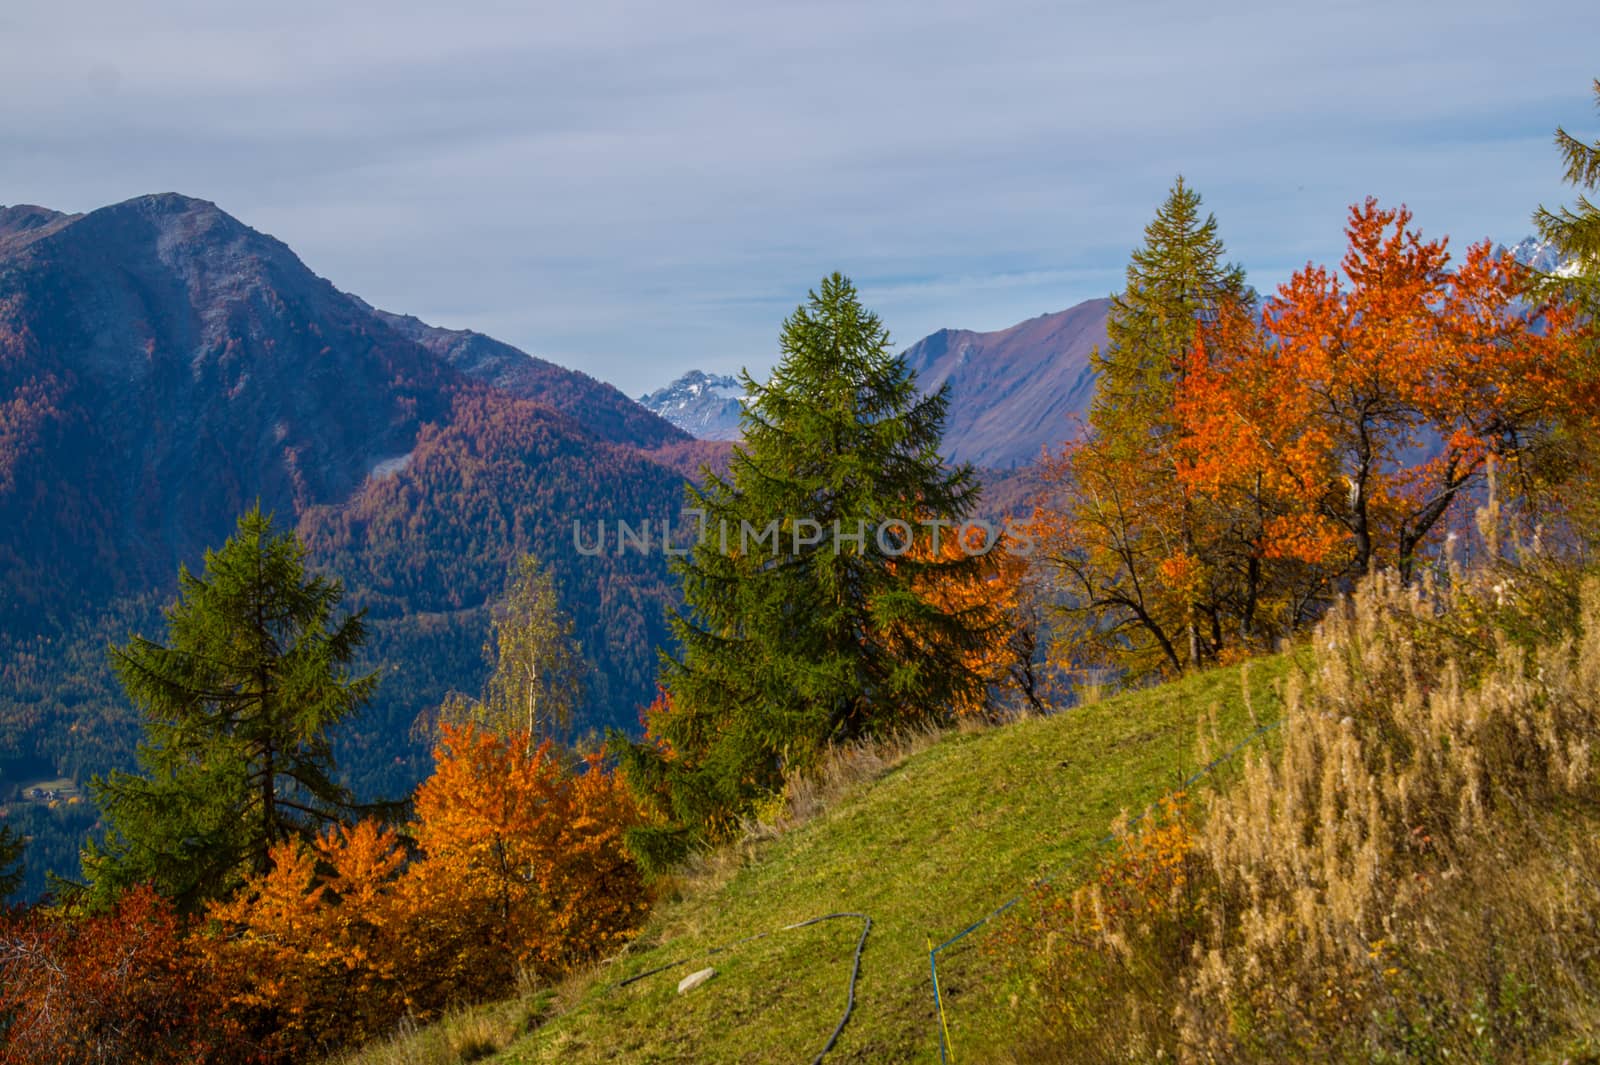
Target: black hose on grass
column 855, row 972
column 855, row 967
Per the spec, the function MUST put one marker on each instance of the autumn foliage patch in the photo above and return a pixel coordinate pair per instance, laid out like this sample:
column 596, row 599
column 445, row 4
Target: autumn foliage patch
column 512, row 869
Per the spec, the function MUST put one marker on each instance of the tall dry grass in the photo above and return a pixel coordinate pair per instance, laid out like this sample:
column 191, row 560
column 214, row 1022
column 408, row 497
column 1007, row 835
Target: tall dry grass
column 461, row 1035
column 1414, row 875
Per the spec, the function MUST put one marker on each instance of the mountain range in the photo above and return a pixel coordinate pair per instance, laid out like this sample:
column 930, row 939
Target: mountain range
column 1013, row 392
column 163, row 367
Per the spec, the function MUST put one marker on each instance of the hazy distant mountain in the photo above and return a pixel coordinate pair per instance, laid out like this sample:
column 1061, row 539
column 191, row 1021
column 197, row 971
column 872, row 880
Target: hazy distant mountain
column 606, row 411
column 704, row 406
column 1018, row 390
column 1014, row 391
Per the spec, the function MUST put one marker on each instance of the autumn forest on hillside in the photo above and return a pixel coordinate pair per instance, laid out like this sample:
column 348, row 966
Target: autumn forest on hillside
column 1386, row 467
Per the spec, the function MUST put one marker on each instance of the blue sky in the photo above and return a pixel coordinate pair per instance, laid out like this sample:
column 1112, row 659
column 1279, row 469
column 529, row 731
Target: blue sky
column 640, row 189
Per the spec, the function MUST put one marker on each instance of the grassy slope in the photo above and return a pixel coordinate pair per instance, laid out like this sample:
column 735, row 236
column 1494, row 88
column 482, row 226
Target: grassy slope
column 926, row 849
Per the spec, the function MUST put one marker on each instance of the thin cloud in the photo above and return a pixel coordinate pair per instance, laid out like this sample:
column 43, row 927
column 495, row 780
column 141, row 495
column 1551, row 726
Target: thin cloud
column 637, row 189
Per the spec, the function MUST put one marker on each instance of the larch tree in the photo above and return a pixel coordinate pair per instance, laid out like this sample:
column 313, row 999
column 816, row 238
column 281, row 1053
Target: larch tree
column 238, row 707
column 1175, row 282
column 1129, row 546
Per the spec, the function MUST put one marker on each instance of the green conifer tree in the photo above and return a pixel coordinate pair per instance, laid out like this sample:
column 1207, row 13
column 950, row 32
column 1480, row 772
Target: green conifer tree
column 238, row 707
column 803, row 626
column 1576, row 229
column 1176, row 280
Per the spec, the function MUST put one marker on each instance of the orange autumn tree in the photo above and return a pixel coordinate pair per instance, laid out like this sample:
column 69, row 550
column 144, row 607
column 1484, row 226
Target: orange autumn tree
column 1111, row 535
column 527, row 853
column 1376, row 395
column 996, row 597
column 1273, row 550
column 318, row 946
column 514, row 864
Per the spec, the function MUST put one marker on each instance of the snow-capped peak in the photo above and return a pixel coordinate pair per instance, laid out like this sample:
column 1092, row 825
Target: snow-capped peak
column 701, row 404
column 1543, row 256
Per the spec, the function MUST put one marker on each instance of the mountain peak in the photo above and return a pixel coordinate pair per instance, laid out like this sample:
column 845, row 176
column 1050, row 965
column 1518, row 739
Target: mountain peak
column 175, row 213
column 166, row 203
column 144, row 226
column 20, row 217
column 706, row 406
column 1542, row 256
column 1013, row 391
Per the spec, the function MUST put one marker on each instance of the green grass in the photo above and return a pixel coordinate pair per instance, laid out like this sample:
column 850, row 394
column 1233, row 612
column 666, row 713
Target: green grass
column 925, row 849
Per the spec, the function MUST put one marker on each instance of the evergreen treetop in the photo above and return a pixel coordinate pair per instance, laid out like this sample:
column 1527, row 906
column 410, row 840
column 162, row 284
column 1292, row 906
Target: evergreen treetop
column 1174, row 281
column 1576, row 229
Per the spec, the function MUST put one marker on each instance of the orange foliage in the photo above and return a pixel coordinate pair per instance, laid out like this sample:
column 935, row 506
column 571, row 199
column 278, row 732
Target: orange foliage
column 1369, row 403
column 991, row 593
column 1335, row 433
column 1115, row 532
column 318, row 944
column 529, row 851
column 519, row 868
column 126, row 986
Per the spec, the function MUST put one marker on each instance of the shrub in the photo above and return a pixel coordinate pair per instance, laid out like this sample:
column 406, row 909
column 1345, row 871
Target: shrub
column 125, row 986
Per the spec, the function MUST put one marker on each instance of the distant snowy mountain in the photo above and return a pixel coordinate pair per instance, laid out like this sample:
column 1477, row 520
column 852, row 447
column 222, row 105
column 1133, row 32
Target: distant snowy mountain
column 701, row 404
column 1542, row 256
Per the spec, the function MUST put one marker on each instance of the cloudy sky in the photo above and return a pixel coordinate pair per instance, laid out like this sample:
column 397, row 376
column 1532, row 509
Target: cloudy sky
column 639, row 189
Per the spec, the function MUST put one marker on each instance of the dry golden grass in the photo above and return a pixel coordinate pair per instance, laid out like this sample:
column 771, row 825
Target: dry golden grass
column 1413, row 875
column 461, row 1035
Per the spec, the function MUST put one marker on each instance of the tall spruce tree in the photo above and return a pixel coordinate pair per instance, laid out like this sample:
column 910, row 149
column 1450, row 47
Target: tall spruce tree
column 238, row 706
column 802, row 626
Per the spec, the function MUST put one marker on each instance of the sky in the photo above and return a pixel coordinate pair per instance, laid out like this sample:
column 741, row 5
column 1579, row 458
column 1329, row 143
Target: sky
column 636, row 190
